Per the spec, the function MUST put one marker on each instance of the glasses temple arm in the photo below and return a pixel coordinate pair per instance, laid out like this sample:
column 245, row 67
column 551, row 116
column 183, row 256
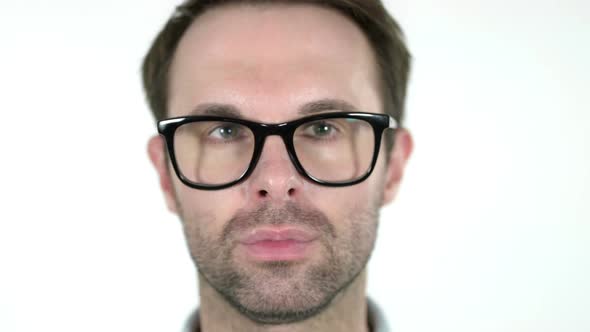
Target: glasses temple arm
column 392, row 123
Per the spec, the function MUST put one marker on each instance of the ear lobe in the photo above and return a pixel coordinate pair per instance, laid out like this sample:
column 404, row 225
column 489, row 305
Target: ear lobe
column 157, row 154
column 397, row 162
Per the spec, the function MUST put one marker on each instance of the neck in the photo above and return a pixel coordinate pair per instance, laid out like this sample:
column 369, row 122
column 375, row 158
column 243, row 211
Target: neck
column 346, row 313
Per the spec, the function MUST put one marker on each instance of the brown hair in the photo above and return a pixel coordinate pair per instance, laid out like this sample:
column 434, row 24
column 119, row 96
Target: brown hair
column 382, row 31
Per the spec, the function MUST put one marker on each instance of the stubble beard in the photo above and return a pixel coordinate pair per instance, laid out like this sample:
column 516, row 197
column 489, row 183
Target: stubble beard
column 283, row 292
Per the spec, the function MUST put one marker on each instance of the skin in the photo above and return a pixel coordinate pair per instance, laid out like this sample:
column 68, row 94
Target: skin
column 290, row 56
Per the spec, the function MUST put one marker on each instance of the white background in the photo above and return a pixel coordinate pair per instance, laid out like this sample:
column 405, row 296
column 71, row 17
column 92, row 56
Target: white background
column 491, row 231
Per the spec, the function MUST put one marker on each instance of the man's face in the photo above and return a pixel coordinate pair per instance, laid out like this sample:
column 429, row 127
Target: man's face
column 268, row 62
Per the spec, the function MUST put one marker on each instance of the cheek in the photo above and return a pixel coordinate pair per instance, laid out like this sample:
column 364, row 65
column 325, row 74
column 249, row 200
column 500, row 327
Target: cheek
column 340, row 204
column 363, row 196
column 207, row 210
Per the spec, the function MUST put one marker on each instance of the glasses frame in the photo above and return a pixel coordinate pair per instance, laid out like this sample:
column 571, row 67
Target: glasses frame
column 286, row 130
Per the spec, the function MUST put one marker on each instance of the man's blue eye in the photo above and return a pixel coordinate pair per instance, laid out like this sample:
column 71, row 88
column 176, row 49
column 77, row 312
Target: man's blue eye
column 322, row 129
column 319, row 129
column 225, row 132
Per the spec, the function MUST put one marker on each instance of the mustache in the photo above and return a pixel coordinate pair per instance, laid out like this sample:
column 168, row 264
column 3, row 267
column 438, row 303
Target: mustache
column 289, row 214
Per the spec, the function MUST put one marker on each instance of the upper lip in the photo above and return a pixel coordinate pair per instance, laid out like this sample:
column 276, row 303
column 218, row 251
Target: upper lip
column 276, row 234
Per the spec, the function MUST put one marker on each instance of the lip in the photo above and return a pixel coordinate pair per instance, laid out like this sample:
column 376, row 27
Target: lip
column 277, row 244
column 277, row 234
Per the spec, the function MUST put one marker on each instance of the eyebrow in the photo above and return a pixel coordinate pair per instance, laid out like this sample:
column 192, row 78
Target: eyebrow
column 317, row 106
column 327, row 105
column 225, row 110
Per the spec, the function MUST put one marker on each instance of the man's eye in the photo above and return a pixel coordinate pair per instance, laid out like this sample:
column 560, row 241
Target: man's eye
column 225, row 132
column 320, row 130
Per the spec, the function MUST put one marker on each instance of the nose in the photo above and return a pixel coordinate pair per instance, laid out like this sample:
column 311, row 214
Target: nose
column 275, row 177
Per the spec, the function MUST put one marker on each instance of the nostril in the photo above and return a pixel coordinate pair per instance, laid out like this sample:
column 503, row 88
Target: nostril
column 263, row 193
column 291, row 192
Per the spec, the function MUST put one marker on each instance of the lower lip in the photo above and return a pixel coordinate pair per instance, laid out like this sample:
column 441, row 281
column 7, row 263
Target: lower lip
column 285, row 250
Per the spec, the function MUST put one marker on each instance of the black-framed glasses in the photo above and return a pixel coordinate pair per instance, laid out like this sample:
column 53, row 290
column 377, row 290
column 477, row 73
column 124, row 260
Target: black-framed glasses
column 331, row 149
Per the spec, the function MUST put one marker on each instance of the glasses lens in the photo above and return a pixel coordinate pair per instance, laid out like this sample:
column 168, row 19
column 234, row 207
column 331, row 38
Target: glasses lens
column 213, row 152
column 335, row 150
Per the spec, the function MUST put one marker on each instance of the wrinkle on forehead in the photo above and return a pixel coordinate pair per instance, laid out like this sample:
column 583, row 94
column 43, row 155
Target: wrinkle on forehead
column 241, row 51
column 272, row 33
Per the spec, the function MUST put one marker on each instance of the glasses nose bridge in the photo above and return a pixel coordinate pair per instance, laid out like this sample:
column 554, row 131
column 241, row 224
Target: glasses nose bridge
column 275, row 129
column 281, row 129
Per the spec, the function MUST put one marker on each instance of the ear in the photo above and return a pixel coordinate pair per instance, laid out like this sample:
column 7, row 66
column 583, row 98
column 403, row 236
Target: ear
column 397, row 163
column 157, row 153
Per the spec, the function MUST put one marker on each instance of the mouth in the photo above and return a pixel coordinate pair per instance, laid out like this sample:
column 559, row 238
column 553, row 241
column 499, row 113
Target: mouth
column 277, row 244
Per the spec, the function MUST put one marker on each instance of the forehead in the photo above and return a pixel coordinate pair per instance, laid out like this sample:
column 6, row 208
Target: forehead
column 268, row 60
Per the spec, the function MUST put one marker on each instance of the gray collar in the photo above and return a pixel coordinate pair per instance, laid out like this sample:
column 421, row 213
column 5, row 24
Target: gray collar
column 376, row 318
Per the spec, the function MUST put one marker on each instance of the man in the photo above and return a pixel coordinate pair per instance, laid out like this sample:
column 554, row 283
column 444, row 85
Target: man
column 277, row 124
